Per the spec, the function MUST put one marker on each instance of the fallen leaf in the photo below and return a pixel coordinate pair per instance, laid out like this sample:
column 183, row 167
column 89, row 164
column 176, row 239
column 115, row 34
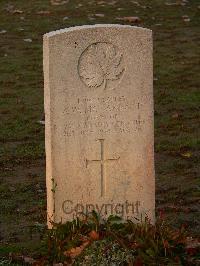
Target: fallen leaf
column 112, row 3
column 43, row 12
column 166, row 244
column 91, row 18
column 74, row 252
column 3, row 31
column 29, row 260
column 28, row 40
column 94, row 235
column 186, row 154
column 10, row 8
column 100, row 15
column 12, row 189
column 101, row 2
column 130, row 19
column 171, row 4
column 186, row 18
column 17, row 11
column 58, row 2
column 85, row 244
column 175, row 115
column 136, row 3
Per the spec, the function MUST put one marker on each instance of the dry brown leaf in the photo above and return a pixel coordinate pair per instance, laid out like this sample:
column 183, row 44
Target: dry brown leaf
column 43, row 12
column 135, row 2
column 3, row 31
column 112, row 3
column 101, row 3
column 59, row 2
column 85, row 244
column 29, row 260
column 17, row 11
column 186, row 18
column 175, row 115
column 74, row 252
column 186, row 154
column 99, row 15
column 94, row 235
column 171, row 4
column 27, row 40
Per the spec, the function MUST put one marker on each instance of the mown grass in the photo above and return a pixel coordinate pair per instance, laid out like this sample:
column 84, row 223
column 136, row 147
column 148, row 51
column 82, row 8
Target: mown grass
column 176, row 94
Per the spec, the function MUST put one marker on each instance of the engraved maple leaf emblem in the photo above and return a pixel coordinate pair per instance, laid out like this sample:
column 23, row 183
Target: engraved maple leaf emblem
column 99, row 64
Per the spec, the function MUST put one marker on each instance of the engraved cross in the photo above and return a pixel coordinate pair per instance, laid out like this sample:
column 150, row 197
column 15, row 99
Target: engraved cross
column 103, row 163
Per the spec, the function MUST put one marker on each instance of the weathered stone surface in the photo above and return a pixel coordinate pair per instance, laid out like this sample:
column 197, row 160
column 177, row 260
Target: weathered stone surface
column 99, row 121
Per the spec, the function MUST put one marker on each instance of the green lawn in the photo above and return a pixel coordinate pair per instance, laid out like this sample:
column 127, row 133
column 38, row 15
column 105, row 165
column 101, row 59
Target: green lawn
column 176, row 94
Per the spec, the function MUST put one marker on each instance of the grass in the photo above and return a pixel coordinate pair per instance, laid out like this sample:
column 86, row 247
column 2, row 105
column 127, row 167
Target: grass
column 176, row 94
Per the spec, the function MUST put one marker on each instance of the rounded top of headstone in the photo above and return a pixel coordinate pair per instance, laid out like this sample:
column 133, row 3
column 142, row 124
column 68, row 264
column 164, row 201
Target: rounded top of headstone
column 97, row 26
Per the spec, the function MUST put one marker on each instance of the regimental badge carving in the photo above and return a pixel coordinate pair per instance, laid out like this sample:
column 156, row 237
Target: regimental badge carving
column 101, row 66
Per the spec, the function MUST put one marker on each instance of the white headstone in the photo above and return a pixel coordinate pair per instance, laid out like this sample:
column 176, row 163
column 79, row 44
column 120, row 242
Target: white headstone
column 99, row 122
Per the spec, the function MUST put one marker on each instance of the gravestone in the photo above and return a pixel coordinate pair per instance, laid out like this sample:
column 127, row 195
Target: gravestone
column 99, row 122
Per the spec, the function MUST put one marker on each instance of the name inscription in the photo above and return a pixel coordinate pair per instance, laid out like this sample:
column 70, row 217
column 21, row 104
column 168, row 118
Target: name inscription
column 96, row 115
